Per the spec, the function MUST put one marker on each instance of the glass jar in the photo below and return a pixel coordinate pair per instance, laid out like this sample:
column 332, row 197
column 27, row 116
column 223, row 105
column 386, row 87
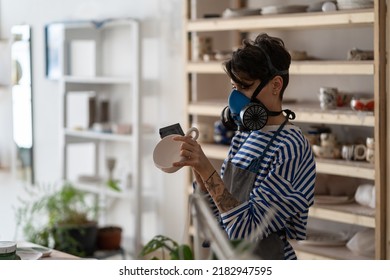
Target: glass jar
column 8, row 250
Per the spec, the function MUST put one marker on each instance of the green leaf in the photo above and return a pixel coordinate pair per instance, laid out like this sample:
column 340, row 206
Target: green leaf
column 176, row 251
column 185, row 252
column 113, row 184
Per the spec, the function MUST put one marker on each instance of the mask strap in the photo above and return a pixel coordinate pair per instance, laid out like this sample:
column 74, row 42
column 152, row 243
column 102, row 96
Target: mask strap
column 290, row 115
column 269, row 113
column 273, row 72
column 258, row 89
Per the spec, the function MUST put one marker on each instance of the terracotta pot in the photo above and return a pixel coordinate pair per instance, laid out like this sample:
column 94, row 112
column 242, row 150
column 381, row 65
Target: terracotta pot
column 109, row 238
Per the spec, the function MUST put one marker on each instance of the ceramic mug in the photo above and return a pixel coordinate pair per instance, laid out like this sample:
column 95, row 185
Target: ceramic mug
column 370, row 143
column 370, row 155
column 327, row 139
column 167, row 151
column 360, row 152
column 328, row 97
column 347, row 152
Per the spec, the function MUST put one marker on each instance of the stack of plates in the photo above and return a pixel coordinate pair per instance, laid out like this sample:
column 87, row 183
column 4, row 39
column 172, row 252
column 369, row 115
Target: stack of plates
column 240, row 12
column 283, row 9
column 333, row 199
column 354, row 4
column 318, row 238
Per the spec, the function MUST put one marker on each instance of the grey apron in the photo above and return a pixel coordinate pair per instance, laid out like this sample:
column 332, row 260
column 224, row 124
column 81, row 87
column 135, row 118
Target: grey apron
column 240, row 183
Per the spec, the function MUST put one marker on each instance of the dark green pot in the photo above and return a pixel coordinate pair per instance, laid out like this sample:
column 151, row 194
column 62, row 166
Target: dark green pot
column 78, row 240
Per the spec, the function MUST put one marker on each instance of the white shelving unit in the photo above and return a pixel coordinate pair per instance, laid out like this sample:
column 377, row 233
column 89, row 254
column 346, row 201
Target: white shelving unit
column 205, row 104
column 113, row 75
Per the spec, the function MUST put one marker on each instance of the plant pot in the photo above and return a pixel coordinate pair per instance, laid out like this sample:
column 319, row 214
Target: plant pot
column 109, row 238
column 79, row 240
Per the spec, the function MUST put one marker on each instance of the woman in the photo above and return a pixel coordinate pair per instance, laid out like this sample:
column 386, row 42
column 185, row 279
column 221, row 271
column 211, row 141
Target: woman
column 267, row 180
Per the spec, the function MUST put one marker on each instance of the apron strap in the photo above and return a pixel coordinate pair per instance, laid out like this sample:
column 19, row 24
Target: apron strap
column 254, row 166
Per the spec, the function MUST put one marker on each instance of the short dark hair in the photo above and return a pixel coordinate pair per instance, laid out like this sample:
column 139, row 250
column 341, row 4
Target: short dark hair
column 262, row 58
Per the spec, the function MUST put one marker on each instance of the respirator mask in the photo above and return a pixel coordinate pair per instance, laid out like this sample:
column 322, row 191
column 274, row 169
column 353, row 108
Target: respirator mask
column 247, row 114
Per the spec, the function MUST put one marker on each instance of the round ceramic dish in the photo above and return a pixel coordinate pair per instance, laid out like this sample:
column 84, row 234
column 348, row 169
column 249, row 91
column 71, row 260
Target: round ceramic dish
column 7, row 250
column 240, row 12
column 317, row 238
column 326, row 152
column 362, row 104
column 26, row 253
column 354, row 4
column 333, row 199
column 283, row 9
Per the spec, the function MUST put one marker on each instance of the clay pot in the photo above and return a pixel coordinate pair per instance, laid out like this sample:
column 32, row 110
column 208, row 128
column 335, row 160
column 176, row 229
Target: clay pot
column 109, row 238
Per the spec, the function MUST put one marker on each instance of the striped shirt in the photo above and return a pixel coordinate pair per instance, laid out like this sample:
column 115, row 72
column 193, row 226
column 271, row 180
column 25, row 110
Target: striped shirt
column 283, row 189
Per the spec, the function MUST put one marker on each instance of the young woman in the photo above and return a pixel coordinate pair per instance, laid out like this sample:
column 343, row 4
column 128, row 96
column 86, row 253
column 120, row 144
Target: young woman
column 267, row 180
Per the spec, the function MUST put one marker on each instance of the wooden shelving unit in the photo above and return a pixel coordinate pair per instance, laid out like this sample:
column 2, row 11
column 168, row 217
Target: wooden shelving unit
column 210, row 106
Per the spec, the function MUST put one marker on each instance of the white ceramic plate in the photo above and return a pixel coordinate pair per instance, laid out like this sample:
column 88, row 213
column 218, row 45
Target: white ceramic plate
column 318, row 238
column 333, row 199
column 26, row 253
column 354, row 4
column 284, row 9
column 46, row 252
column 240, row 12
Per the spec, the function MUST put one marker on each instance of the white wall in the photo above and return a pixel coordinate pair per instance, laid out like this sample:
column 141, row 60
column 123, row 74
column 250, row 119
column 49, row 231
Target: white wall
column 161, row 86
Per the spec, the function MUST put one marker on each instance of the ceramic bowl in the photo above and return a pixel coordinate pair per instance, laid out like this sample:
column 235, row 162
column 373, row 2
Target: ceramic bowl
column 326, row 152
column 240, row 12
column 362, row 104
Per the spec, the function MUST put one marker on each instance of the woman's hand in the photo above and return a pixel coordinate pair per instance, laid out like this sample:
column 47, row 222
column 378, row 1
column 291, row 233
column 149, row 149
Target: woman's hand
column 195, row 157
column 205, row 173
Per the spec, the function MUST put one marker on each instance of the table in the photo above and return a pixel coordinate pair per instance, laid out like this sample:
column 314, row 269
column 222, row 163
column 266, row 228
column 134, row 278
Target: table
column 25, row 250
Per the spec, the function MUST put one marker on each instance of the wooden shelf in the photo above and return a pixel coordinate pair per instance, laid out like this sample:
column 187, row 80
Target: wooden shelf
column 305, row 112
column 309, row 67
column 355, row 169
column 325, row 252
column 301, row 20
column 311, row 112
column 352, row 213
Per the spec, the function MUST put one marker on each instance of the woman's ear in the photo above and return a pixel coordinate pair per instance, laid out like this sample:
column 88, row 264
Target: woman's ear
column 277, row 84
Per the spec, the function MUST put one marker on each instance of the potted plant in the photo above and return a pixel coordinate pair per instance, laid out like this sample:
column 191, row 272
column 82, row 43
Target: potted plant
column 163, row 247
column 109, row 238
column 61, row 218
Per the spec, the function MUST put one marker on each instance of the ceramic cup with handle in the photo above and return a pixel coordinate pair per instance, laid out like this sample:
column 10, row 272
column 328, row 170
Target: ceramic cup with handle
column 167, row 151
column 328, row 97
column 348, row 152
column 360, row 152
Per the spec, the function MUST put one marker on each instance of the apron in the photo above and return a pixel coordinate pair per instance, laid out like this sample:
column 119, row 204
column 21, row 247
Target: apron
column 239, row 183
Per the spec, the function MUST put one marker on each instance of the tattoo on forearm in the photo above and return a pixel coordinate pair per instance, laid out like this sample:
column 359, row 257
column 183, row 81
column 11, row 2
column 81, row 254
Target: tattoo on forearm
column 222, row 198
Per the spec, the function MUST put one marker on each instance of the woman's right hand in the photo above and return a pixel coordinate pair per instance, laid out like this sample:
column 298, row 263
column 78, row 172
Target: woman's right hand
column 194, row 157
